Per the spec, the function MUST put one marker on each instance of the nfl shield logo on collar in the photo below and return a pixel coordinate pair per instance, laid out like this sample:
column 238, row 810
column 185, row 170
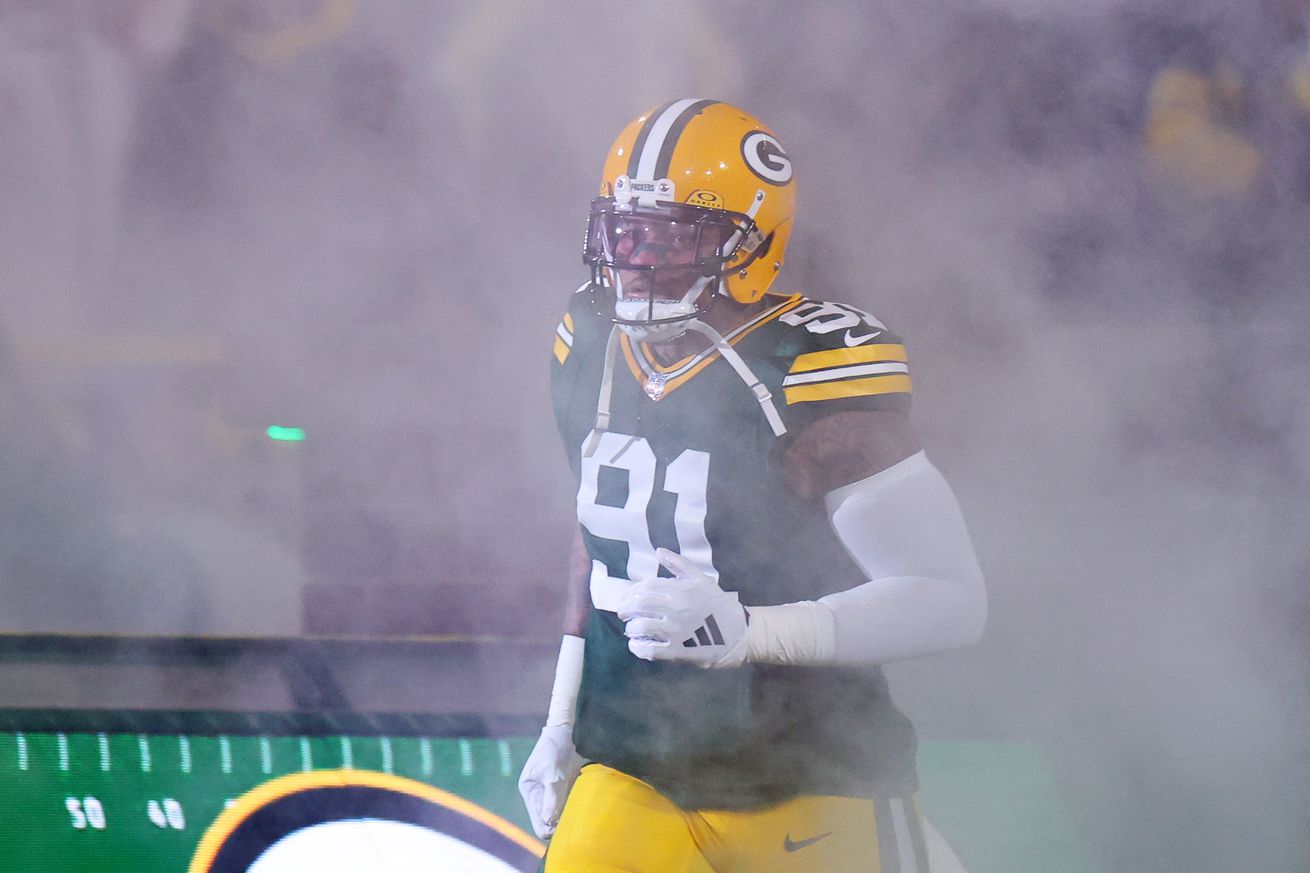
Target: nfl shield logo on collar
column 655, row 385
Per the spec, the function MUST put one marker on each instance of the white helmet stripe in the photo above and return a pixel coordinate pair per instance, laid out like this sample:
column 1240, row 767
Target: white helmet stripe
column 659, row 130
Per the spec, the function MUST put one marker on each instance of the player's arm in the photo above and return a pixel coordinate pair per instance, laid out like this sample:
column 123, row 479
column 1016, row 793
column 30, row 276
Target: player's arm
column 900, row 522
column 846, row 447
column 554, row 763
column 898, row 518
column 578, row 606
column 568, row 667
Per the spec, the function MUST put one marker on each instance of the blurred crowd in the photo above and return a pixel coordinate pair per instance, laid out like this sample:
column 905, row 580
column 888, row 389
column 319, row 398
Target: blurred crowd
column 362, row 219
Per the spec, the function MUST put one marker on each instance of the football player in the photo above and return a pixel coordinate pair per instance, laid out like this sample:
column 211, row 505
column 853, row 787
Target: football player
column 759, row 530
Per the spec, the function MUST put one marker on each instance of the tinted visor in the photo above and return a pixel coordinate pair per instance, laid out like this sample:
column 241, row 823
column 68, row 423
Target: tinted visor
column 671, row 235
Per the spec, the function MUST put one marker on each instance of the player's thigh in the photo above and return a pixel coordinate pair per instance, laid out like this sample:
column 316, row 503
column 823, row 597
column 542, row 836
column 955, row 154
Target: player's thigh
column 614, row 823
column 822, row 834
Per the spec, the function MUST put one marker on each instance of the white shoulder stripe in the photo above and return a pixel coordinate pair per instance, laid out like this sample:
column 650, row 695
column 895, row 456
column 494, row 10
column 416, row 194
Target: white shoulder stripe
column 844, row 373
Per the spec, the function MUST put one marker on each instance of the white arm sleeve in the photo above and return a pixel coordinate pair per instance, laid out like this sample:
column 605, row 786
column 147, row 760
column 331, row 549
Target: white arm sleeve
column 926, row 594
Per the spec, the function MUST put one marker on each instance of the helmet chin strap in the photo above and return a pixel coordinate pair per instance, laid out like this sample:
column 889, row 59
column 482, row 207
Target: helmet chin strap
column 758, row 388
column 606, row 390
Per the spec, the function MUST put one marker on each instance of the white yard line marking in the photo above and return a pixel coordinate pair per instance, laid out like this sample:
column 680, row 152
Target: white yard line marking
column 225, row 754
column 63, row 751
column 22, row 751
column 386, row 755
column 184, row 751
column 265, row 756
column 306, row 755
column 347, row 754
column 425, row 753
column 103, row 740
column 143, row 746
column 506, row 761
column 465, row 758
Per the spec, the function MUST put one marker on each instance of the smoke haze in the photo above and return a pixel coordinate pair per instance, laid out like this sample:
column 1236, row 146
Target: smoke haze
column 364, row 220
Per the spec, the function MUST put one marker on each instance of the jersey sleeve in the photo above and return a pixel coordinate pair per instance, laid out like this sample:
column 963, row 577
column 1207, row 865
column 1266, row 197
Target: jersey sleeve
column 575, row 338
column 838, row 358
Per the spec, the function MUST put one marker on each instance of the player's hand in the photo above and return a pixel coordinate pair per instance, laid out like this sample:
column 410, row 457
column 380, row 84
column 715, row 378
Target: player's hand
column 687, row 618
column 547, row 777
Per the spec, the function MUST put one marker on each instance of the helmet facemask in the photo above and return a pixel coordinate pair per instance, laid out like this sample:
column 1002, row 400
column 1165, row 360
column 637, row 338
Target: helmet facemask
column 660, row 265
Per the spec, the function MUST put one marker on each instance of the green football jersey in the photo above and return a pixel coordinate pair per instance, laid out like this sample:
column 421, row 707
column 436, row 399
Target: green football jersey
column 689, row 462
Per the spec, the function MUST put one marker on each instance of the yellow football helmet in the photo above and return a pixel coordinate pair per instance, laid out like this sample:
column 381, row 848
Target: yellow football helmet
column 696, row 196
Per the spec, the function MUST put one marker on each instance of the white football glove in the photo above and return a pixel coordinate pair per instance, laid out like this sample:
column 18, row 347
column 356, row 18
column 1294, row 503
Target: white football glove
column 547, row 777
column 687, row 618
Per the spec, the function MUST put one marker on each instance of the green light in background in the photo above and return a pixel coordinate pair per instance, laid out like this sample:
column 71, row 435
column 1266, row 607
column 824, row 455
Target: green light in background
column 285, row 434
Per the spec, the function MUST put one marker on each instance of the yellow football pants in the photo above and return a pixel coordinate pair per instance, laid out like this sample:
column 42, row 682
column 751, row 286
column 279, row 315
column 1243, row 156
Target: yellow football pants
column 614, row 823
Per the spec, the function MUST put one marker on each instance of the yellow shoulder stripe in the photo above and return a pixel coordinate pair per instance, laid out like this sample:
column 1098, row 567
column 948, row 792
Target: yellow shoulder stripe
column 561, row 350
column 568, row 321
column 892, row 384
column 858, row 355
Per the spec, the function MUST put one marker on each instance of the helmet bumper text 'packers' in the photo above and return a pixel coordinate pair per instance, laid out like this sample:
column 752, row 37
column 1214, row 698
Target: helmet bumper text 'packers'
column 696, row 200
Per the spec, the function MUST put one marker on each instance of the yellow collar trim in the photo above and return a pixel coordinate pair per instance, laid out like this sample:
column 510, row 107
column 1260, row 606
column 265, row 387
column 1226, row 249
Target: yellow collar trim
column 680, row 372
